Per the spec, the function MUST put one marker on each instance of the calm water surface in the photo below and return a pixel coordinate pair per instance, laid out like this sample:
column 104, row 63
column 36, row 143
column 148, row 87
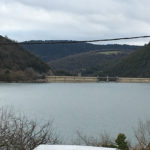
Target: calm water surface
column 92, row 108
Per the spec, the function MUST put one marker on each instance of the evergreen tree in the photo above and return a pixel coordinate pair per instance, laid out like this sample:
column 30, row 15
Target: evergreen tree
column 121, row 142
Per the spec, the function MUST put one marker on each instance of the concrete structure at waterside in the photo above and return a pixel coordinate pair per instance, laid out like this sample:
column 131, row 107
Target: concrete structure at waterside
column 71, row 79
column 134, row 80
column 64, row 79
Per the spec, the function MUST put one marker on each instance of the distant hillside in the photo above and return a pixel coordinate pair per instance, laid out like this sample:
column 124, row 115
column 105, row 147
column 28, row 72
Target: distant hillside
column 17, row 64
column 86, row 62
column 135, row 65
column 49, row 52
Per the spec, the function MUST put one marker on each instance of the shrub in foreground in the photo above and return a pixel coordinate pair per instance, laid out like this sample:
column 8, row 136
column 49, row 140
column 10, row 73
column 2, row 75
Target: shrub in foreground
column 20, row 133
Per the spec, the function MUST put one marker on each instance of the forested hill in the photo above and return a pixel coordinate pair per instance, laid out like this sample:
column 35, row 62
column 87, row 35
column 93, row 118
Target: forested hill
column 135, row 65
column 16, row 63
column 87, row 61
column 49, row 52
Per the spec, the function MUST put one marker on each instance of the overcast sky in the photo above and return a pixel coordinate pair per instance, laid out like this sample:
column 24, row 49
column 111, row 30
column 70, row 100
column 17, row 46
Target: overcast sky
column 74, row 19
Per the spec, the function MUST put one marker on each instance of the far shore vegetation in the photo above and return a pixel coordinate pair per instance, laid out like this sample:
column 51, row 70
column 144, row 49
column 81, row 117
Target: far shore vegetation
column 29, row 63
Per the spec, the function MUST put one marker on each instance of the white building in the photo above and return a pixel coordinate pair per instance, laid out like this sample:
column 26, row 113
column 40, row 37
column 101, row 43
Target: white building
column 70, row 147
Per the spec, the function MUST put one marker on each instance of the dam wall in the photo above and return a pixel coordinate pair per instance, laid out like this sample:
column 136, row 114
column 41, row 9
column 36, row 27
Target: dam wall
column 68, row 79
column 134, row 80
column 71, row 79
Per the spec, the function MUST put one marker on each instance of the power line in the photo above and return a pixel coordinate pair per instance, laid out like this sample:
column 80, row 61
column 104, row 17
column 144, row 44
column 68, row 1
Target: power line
column 71, row 42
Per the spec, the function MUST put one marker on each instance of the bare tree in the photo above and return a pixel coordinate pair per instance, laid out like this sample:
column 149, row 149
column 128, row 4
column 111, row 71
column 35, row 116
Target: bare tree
column 103, row 140
column 20, row 133
column 142, row 135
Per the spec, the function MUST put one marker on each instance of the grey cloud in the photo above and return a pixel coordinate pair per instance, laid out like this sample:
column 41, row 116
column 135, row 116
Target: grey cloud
column 74, row 19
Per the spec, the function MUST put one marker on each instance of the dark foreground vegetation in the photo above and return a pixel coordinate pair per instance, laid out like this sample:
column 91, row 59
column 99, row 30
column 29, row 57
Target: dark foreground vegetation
column 17, row 64
column 17, row 132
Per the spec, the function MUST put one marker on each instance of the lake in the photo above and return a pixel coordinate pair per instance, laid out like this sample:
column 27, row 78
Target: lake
column 92, row 108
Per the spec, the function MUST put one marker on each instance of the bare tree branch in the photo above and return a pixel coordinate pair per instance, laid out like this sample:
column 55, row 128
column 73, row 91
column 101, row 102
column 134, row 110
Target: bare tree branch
column 20, row 133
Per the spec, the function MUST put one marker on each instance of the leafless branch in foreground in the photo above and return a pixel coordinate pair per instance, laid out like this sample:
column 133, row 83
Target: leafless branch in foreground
column 103, row 140
column 20, row 133
column 142, row 135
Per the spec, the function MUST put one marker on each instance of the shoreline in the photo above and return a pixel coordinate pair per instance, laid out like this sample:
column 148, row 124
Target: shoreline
column 81, row 79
